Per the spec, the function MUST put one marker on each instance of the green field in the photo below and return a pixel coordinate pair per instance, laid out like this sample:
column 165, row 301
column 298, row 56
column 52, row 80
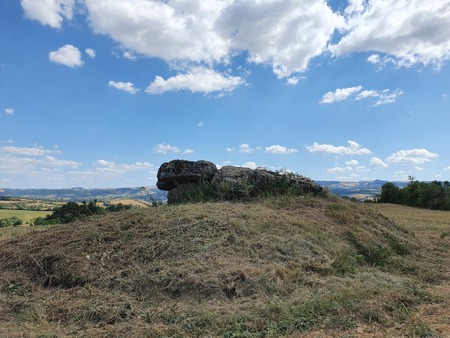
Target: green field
column 25, row 215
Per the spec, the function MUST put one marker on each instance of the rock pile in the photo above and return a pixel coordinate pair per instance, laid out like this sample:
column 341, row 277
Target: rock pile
column 176, row 173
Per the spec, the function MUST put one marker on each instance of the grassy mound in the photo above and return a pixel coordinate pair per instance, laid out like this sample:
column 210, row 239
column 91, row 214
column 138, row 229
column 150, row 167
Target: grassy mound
column 270, row 268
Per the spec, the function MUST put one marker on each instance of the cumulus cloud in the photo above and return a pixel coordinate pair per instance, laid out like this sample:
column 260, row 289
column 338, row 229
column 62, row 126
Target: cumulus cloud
column 285, row 34
column 378, row 163
column 411, row 156
column 9, row 111
column 339, row 94
column 413, row 31
column 245, row 148
column 125, row 86
column 90, row 52
column 67, row 55
column 196, row 80
column 165, row 149
column 188, row 151
column 277, row 149
column 383, row 96
column 353, row 148
column 49, row 12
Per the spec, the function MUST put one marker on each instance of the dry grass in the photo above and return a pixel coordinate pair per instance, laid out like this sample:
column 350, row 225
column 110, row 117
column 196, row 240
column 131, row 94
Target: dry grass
column 280, row 267
column 130, row 202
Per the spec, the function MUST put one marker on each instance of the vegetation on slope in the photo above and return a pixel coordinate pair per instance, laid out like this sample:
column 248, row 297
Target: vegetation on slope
column 262, row 269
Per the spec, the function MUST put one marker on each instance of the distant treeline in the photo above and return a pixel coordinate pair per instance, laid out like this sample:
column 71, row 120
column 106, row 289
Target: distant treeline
column 428, row 195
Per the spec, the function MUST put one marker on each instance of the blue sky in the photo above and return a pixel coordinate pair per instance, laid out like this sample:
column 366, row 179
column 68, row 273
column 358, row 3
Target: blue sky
column 97, row 93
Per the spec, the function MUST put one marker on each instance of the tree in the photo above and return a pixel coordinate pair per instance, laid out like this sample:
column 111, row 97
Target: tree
column 389, row 193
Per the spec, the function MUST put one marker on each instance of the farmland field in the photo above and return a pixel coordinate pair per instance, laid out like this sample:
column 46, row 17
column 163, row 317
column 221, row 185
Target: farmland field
column 25, row 215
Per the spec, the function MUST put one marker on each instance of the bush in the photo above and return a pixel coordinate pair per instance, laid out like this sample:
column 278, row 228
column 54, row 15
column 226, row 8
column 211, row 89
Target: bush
column 242, row 191
column 10, row 222
column 70, row 212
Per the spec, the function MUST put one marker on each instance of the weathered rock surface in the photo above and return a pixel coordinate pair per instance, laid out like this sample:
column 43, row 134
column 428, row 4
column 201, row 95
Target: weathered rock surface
column 237, row 175
column 178, row 172
column 174, row 173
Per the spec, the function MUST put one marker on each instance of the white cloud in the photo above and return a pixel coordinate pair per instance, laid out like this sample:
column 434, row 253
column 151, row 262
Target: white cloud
column 412, row 156
column 9, row 111
column 339, row 94
column 376, row 162
column 119, row 168
column 200, row 124
column 352, row 163
column 277, row 149
column 419, row 168
column 383, row 96
column 245, row 148
column 27, row 151
column 170, row 30
column 129, row 55
column 413, row 31
column 90, row 52
column 285, row 34
column 447, row 169
column 230, row 150
column 68, row 55
column 387, row 97
column 353, row 148
column 251, row 165
column 188, row 151
column 165, row 149
column 48, row 12
column 125, row 86
column 293, row 80
column 339, row 170
column 196, row 80
column 19, row 164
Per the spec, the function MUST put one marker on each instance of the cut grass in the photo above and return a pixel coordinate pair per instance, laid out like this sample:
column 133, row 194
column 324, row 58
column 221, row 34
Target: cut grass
column 278, row 267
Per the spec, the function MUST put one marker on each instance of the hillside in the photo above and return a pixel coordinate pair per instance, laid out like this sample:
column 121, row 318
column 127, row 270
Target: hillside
column 278, row 267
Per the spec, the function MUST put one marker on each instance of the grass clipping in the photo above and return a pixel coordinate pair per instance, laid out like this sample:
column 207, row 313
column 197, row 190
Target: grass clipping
column 262, row 269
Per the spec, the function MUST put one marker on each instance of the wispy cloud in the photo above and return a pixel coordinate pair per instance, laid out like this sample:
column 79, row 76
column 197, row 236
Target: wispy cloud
column 9, row 111
column 384, row 96
column 277, row 149
column 165, row 149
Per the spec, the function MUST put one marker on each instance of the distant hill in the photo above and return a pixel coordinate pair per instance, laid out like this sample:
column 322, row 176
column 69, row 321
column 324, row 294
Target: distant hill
column 81, row 194
column 360, row 190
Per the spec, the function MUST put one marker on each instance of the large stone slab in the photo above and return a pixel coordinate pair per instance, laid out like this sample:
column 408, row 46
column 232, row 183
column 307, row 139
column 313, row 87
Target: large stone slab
column 174, row 173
